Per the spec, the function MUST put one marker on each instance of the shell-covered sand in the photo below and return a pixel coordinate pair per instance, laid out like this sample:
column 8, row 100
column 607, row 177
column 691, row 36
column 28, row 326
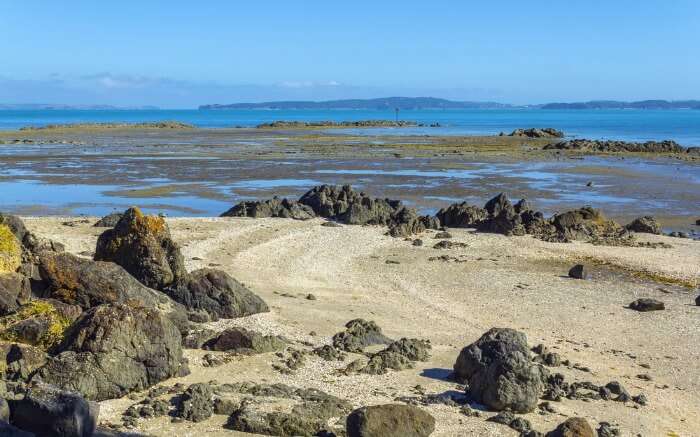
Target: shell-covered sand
column 516, row 282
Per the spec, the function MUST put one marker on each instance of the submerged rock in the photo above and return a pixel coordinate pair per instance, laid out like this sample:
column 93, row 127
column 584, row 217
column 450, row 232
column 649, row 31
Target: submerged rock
column 389, row 420
column 499, row 371
column 647, row 304
column 359, row 334
column 274, row 207
column 48, row 411
column 646, row 224
column 244, row 341
column 217, row 294
column 143, row 246
column 112, row 350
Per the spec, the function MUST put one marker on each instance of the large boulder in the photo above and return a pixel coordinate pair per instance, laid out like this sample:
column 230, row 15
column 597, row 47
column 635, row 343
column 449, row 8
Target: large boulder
column 646, row 225
column 500, row 373
column 217, row 294
column 461, row 215
column 15, row 290
column 10, row 250
column 274, row 207
column 47, row 411
column 38, row 323
column 143, row 246
column 114, row 349
column 389, row 420
column 89, row 283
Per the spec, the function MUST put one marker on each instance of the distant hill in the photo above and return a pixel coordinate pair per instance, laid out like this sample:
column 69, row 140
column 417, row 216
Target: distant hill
column 57, row 107
column 386, row 103
column 613, row 104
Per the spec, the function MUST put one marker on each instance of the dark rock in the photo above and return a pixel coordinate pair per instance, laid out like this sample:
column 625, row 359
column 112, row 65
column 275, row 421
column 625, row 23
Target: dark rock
column 389, row 420
column 573, row 427
column 640, row 399
column 399, row 355
column 114, row 349
column 225, row 407
column 243, row 341
column 605, row 429
column 546, row 132
column 503, row 418
column 358, row 335
column 88, row 283
column 585, row 224
column 7, row 430
column 647, row 304
column 417, row 242
column 500, row 372
column 19, row 361
column 498, row 204
column 143, row 246
column 274, row 207
column 197, row 403
column 109, row 221
column 329, row 353
column 442, row 235
column 37, row 323
column 217, row 294
column 15, row 290
column 447, row 244
column 697, row 301
column 579, row 271
column 646, row 224
column 48, row 411
column 462, row 215
column 331, row 224
column 15, row 224
column 196, row 338
column 616, row 146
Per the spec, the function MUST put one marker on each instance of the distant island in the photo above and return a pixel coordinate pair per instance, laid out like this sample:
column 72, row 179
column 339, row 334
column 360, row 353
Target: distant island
column 613, row 104
column 385, row 103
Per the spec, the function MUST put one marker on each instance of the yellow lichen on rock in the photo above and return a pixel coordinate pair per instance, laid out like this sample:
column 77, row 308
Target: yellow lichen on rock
column 57, row 324
column 10, row 250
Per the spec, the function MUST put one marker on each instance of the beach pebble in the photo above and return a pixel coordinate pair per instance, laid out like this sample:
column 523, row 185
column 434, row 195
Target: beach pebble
column 579, row 271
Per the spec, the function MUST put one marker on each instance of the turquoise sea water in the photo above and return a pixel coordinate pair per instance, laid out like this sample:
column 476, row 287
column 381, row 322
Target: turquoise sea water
column 682, row 126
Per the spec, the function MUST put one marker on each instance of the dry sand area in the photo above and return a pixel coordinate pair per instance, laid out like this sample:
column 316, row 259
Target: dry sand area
column 495, row 281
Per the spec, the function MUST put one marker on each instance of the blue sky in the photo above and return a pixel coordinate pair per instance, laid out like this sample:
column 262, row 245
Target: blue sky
column 185, row 53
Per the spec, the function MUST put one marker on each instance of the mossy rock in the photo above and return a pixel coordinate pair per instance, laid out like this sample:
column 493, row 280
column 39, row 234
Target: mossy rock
column 10, row 250
column 37, row 323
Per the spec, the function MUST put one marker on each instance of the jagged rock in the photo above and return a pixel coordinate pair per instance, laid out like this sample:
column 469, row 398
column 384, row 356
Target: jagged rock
column 497, row 204
column 10, row 250
column 585, row 224
column 114, row 349
column 15, row 290
column 461, row 215
column 19, row 361
column 330, row 353
column 389, row 420
column 500, row 372
column 196, row 338
column 607, row 430
column 616, row 146
column 244, row 341
column 573, row 427
column 197, row 403
column 109, row 221
column 579, row 271
column 47, row 411
column 143, row 246
column 546, row 132
column 88, row 283
column 647, row 304
column 274, row 207
column 217, row 294
column 646, row 224
column 359, row 334
column 399, row 355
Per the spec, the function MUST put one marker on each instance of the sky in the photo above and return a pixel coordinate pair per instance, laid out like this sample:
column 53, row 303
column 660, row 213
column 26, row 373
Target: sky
column 180, row 54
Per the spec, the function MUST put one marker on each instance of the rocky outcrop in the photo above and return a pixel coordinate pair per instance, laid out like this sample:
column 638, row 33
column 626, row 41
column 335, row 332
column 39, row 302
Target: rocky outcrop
column 216, row 294
column 114, row 349
column 359, row 334
column 462, row 215
column 546, row 132
column 399, row 355
column 143, row 246
column 274, row 207
column 389, row 420
column 109, row 221
column 499, row 371
column 584, row 145
column 244, row 341
column 47, row 411
column 38, row 323
column 89, row 283
column 646, row 224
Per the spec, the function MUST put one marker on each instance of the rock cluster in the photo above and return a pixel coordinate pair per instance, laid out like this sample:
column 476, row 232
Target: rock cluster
column 646, row 224
column 274, row 207
column 617, row 146
column 546, row 132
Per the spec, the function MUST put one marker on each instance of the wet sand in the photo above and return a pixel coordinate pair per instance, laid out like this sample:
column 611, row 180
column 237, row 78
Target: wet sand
column 202, row 172
column 516, row 282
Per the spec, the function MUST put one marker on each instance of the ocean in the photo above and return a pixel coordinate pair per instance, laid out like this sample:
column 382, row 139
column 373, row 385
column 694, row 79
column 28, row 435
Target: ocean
column 682, row 126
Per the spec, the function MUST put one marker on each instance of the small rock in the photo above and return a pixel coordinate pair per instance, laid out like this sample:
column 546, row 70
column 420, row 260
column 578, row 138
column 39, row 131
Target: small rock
column 310, row 297
column 579, row 271
column 573, row 427
column 389, row 420
column 417, row 242
column 647, row 304
column 605, row 429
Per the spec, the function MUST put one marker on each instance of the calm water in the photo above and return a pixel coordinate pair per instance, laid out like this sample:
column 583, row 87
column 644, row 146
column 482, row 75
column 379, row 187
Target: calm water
column 682, row 126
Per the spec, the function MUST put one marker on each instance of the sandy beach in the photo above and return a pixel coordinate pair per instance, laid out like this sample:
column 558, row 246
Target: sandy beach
column 494, row 281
